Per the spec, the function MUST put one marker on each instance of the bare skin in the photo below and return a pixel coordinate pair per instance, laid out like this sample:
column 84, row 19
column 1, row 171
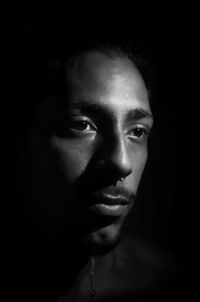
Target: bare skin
column 86, row 156
column 86, row 146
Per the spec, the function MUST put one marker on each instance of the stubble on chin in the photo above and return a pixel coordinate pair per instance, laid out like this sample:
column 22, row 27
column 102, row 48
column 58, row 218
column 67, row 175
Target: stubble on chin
column 99, row 244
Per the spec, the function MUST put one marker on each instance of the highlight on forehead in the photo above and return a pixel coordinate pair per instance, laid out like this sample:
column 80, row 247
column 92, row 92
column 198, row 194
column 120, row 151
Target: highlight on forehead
column 95, row 67
column 65, row 68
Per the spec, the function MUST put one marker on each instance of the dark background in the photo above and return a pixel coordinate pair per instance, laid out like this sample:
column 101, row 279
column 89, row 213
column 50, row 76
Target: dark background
column 153, row 215
column 161, row 212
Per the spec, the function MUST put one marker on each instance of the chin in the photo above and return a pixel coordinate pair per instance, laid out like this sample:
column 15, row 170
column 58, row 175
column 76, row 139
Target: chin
column 103, row 240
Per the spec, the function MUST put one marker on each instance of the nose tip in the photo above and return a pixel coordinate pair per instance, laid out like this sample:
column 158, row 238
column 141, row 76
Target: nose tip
column 117, row 158
column 120, row 163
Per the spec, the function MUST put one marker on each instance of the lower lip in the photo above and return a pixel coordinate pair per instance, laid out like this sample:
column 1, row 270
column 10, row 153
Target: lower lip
column 109, row 210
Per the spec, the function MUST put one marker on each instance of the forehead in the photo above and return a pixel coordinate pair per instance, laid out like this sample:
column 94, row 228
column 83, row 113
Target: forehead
column 97, row 76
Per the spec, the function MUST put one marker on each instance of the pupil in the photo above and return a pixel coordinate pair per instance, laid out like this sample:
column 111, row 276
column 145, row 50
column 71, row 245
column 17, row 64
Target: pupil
column 82, row 125
column 138, row 131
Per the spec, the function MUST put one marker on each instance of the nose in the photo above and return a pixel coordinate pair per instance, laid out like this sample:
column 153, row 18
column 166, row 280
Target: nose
column 117, row 159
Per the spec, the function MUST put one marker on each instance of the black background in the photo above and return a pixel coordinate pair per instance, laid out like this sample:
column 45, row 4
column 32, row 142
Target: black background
column 161, row 213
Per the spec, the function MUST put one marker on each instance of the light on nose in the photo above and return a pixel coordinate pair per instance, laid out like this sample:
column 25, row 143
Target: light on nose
column 118, row 157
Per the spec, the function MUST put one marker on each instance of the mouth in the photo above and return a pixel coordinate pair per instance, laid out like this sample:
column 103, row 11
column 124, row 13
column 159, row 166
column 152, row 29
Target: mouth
column 108, row 210
column 109, row 204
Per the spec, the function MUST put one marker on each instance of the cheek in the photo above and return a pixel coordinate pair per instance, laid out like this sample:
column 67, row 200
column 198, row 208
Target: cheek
column 71, row 156
column 139, row 159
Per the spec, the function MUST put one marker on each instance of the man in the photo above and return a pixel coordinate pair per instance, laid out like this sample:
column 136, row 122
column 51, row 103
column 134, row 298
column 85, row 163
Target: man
column 80, row 168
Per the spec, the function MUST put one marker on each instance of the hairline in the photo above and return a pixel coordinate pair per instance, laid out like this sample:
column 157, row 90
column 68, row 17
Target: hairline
column 111, row 52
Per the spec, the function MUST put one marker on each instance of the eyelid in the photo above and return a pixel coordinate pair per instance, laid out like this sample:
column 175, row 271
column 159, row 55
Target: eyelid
column 140, row 126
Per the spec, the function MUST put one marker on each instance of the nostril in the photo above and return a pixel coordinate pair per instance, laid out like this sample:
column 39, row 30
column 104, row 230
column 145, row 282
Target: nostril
column 118, row 168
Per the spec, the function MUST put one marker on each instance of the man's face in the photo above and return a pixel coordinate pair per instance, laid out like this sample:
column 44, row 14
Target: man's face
column 87, row 154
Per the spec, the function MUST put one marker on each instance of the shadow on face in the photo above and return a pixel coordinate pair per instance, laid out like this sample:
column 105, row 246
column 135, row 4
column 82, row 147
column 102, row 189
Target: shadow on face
column 86, row 157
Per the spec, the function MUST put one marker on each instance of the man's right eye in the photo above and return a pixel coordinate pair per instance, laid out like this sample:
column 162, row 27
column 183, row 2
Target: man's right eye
column 77, row 125
column 82, row 125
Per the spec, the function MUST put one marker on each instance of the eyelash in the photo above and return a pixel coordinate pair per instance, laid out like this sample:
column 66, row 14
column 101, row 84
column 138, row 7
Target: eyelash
column 78, row 125
column 141, row 137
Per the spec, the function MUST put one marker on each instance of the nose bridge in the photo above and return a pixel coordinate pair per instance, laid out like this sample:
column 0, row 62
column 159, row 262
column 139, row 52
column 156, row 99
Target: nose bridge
column 118, row 154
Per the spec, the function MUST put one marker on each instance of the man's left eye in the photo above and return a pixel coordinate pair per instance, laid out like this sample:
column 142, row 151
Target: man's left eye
column 138, row 133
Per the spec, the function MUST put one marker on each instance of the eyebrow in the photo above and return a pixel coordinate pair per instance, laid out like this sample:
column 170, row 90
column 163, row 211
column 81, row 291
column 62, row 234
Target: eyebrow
column 133, row 114
column 139, row 113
